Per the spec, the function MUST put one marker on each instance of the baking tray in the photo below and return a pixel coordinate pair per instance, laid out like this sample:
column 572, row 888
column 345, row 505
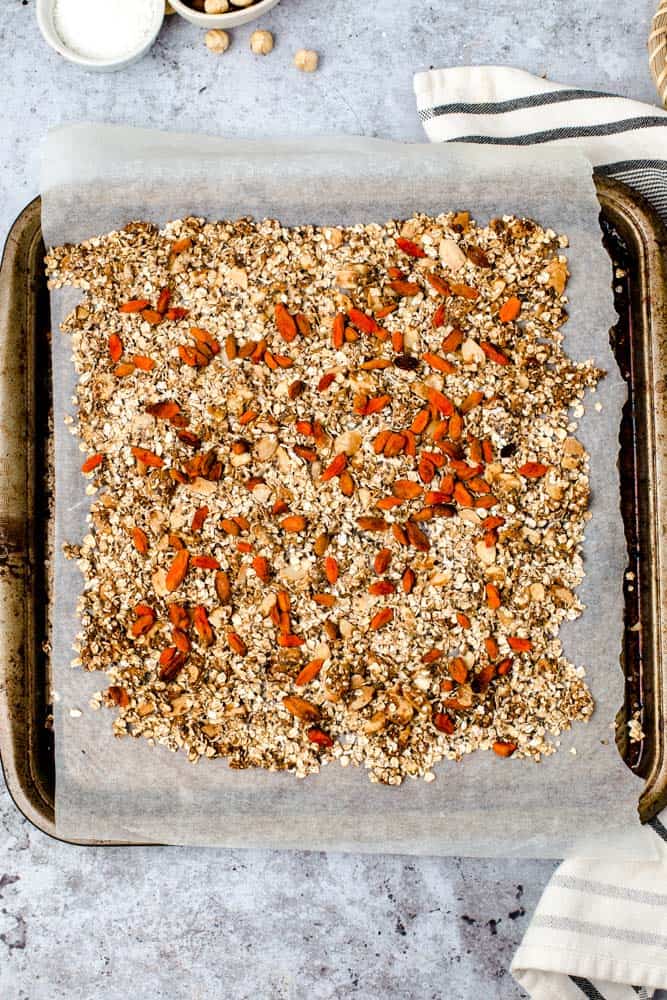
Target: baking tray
column 637, row 243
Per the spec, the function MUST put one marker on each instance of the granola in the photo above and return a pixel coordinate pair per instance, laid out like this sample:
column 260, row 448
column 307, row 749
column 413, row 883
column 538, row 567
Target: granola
column 338, row 504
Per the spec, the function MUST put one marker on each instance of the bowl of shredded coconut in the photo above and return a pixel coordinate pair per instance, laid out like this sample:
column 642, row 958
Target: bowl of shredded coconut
column 100, row 34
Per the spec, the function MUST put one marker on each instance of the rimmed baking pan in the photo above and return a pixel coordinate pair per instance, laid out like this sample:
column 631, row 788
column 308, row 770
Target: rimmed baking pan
column 637, row 243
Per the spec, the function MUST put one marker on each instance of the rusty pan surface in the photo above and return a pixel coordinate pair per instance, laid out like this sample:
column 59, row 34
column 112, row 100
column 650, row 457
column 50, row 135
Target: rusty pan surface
column 637, row 243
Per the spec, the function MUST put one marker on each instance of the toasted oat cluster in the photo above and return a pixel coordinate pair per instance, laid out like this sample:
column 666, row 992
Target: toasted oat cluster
column 338, row 504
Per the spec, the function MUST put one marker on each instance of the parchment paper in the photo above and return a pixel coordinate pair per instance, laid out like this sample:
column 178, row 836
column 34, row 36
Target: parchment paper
column 98, row 178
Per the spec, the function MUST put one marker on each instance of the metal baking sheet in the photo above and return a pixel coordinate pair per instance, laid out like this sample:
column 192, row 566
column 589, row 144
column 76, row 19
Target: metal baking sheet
column 636, row 241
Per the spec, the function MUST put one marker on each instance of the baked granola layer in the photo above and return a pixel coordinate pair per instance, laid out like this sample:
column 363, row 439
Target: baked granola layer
column 339, row 506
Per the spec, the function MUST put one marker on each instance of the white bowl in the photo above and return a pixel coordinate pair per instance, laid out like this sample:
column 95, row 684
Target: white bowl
column 232, row 19
column 46, row 24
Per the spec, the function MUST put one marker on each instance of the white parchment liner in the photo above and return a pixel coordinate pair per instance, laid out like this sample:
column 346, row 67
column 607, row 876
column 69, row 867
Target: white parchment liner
column 99, row 178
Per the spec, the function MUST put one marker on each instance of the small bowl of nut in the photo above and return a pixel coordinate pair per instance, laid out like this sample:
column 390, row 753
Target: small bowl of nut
column 221, row 13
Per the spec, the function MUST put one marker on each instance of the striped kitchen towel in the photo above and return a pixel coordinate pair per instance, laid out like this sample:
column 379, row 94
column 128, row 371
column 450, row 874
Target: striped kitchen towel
column 499, row 106
column 600, row 930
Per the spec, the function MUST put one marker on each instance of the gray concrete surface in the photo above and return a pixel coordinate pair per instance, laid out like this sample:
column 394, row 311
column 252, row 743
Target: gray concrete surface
column 170, row 924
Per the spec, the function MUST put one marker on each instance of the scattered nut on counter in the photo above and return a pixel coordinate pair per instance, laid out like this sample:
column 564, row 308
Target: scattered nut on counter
column 217, row 41
column 261, row 42
column 306, row 60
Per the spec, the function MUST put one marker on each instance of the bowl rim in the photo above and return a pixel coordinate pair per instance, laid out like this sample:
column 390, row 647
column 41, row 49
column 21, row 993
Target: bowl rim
column 203, row 20
column 44, row 12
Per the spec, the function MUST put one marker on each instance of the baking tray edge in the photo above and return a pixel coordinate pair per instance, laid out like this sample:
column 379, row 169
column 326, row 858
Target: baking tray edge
column 26, row 744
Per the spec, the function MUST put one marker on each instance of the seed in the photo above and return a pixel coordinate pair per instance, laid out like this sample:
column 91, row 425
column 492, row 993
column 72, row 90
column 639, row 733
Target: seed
column 202, row 625
column 261, row 567
column 504, row 749
column 334, row 468
column 462, row 619
column 464, row 291
column 180, row 640
column 438, row 284
column 346, row 483
column 376, row 404
column 491, row 647
column 494, row 353
column 456, row 426
column 438, row 400
column 338, row 331
column 432, row 656
column 458, row 670
column 236, row 643
column 284, row 601
column 519, row 644
column 406, row 489
column 143, row 624
column 439, row 317
column 134, row 305
column 452, row 341
column 295, row 522
column 178, row 616
column 321, row 544
column 178, row 570
column 426, row 470
column 380, row 441
column 367, row 523
column 381, row 561
column 388, row 503
column 319, row 737
column 440, row 364
column 140, row 540
column 289, row 641
column 325, row 600
column 301, row 708
column 399, row 534
column 471, row 401
column 492, row 596
column 92, row 463
column 363, row 322
column 296, row 389
column 417, row 537
column 408, row 581
column 394, row 445
column 509, row 310
column 381, row 618
column 223, row 587
column 382, row 588
column 309, row 672
column 444, row 723
column 421, row 421
column 286, row 326
column 404, row 288
column 230, row 527
column 331, row 569
column 409, row 247
column 533, row 470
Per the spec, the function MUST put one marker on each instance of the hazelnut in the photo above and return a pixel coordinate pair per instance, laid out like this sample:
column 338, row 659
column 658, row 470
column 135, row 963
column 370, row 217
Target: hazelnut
column 261, row 42
column 216, row 6
column 306, row 60
column 217, row 41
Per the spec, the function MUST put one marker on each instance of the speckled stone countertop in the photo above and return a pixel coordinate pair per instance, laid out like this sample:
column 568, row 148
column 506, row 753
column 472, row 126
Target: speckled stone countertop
column 185, row 924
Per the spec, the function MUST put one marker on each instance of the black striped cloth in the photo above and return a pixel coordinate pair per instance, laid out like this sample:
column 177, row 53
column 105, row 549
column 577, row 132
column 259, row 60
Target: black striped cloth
column 499, row 106
column 600, row 929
